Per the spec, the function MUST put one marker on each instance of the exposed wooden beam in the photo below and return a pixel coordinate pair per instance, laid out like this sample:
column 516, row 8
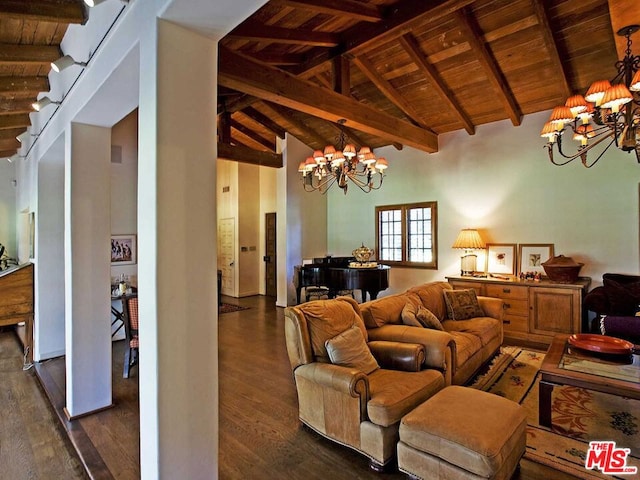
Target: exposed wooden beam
column 342, row 8
column 15, row 85
column 14, row 120
column 341, row 75
column 9, row 144
column 241, row 103
column 265, row 121
column 248, row 155
column 410, row 45
column 11, row 54
column 388, row 90
column 44, row 11
column 280, row 87
column 624, row 13
column 11, row 132
column 271, row 145
column 16, row 106
column 281, row 59
column 308, row 132
column 404, row 15
column 552, row 47
column 224, row 127
column 474, row 37
column 266, row 33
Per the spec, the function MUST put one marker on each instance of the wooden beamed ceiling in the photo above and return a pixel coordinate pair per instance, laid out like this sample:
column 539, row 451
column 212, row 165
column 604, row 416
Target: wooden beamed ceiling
column 402, row 72
column 30, row 36
column 399, row 72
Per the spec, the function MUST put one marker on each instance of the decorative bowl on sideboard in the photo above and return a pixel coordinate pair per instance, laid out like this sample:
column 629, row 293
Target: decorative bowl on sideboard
column 562, row 269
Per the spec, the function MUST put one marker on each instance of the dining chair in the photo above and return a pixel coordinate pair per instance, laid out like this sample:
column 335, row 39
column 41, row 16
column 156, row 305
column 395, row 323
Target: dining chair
column 131, row 334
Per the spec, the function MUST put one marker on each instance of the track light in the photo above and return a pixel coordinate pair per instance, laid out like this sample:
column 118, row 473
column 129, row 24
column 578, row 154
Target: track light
column 43, row 102
column 65, row 62
column 93, row 3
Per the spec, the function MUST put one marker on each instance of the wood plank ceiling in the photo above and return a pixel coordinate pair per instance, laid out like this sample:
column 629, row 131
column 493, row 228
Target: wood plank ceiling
column 399, row 72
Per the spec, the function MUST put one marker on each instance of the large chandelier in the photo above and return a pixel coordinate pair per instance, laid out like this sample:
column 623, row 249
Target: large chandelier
column 607, row 114
column 342, row 164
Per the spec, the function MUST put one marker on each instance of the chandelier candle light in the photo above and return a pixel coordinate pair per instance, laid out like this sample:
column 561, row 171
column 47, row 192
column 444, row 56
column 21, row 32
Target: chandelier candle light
column 610, row 105
column 342, row 164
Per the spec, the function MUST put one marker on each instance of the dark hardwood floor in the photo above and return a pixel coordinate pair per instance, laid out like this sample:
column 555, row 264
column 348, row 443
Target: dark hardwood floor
column 260, row 435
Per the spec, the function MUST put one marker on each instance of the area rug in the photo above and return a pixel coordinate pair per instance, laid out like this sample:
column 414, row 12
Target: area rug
column 578, row 415
column 229, row 307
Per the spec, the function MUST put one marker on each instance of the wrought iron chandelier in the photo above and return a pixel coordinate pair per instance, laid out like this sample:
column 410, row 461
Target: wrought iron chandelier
column 341, row 164
column 608, row 113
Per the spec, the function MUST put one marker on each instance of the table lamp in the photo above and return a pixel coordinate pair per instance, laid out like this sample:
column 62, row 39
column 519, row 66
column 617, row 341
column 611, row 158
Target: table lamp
column 468, row 240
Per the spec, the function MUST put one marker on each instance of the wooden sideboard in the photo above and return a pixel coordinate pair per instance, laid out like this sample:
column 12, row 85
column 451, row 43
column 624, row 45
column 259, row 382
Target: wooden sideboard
column 534, row 311
column 16, row 302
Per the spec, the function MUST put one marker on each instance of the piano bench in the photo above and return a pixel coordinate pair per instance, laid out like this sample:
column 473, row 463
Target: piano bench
column 316, row 292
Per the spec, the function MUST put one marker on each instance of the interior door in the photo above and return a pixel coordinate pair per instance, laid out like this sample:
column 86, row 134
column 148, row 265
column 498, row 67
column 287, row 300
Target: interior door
column 270, row 255
column 226, row 254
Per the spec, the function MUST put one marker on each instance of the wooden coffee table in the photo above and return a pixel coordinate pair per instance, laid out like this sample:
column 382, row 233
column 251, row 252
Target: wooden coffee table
column 565, row 365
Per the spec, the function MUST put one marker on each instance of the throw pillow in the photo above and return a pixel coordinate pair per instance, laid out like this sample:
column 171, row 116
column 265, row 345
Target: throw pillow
column 350, row 349
column 419, row 316
column 462, row 304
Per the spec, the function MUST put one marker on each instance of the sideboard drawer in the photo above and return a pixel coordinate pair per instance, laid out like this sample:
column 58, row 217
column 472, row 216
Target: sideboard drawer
column 516, row 307
column 515, row 323
column 507, row 291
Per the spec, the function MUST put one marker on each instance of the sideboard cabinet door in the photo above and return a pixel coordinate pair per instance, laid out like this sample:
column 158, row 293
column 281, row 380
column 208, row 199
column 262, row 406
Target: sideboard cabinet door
column 554, row 310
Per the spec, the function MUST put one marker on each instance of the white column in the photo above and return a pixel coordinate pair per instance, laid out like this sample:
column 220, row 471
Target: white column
column 177, row 255
column 50, row 266
column 87, row 268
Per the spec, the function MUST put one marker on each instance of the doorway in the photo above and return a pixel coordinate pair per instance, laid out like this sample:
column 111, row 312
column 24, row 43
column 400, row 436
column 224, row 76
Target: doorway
column 226, row 256
column 270, row 274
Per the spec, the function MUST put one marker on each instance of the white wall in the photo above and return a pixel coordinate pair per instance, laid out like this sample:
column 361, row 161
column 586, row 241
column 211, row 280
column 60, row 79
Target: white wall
column 124, row 187
column 500, row 180
column 8, row 235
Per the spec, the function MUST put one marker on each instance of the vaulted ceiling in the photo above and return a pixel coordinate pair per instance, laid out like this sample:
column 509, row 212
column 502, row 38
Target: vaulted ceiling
column 397, row 72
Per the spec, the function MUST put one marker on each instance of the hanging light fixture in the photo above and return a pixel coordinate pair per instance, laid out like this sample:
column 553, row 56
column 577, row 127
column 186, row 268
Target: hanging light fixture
column 608, row 113
column 65, row 62
column 43, row 102
column 342, row 164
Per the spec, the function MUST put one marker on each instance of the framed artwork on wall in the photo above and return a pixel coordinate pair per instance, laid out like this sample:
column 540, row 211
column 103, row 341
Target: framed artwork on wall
column 531, row 256
column 501, row 258
column 123, row 249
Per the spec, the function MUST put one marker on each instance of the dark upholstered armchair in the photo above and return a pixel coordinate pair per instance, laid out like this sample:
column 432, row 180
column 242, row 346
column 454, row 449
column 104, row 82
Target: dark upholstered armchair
column 619, row 296
column 344, row 392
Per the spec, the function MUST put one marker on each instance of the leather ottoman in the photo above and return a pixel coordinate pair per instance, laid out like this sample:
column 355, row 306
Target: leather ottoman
column 462, row 433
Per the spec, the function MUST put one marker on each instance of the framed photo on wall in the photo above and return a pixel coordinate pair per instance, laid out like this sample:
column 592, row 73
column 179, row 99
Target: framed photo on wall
column 531, row 256
column 501, row 258
column 123, row 249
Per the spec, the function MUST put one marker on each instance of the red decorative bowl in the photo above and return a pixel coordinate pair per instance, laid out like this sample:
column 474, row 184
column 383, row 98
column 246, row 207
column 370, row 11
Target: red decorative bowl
column 601, row 344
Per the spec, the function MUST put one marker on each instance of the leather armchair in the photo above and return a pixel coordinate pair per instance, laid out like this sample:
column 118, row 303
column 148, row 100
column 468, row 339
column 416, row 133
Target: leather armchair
column 342, row 403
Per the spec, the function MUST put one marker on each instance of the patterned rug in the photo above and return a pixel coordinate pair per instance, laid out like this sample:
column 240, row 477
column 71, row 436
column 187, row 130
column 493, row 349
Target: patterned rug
column 229, row 307
column 578, row 415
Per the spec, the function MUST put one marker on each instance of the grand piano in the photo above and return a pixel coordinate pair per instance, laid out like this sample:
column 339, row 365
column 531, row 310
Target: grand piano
column 335, row 274
column 16, row 301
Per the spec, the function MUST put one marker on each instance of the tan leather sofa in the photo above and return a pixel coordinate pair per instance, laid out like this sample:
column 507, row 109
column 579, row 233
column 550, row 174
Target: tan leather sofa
column 342, row 403
column 458, row 351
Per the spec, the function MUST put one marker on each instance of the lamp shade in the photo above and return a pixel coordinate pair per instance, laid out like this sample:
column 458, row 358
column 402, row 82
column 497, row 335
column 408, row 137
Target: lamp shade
column 469, row 239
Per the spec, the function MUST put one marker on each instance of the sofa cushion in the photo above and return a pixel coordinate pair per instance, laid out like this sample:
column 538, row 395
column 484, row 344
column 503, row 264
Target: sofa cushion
column 326, row 319
column 349, row 349
column 394, row 393
column 419, row 316
column 467, row 345
column 485, row 328
column 430, row 295
column 381, row 311
column 624, row 298
column 462, row 304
